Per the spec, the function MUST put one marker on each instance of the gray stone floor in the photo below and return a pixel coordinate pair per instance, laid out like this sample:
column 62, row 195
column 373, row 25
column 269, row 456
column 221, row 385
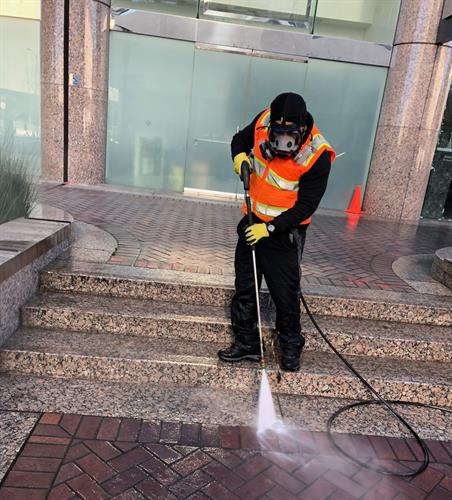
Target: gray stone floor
column 14, row 429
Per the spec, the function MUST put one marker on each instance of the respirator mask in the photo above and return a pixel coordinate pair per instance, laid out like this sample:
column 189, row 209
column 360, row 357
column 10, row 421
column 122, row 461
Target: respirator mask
column 284, row 141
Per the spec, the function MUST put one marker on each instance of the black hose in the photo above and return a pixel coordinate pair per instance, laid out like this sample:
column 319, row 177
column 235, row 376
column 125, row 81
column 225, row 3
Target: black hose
column 379, row 400
column 245, row 177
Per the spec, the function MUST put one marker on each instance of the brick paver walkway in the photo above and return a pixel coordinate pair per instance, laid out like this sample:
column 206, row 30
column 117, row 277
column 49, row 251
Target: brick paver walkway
column 165, row 232
column 74, row 456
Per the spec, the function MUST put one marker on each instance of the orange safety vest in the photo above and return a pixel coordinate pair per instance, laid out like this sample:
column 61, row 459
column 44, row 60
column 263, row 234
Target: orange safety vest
column 274, row 184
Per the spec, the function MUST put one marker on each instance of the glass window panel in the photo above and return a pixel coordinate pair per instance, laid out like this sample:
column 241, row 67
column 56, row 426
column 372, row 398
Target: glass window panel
column 219, row 105
column 370, row 20
column 149, row 94
column 285, row 14
column 270, row 77
column 344, row 100
column 237, row 87
column 20, row 88
column 187, row 8
column 30, row 9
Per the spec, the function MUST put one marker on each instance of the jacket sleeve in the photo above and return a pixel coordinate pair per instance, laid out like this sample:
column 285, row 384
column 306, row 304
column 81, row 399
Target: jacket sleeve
column 243, row 140
column 311, row 188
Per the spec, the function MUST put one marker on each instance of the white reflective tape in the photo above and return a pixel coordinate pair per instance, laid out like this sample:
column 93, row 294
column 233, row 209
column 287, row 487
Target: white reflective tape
column 306, row 154
column 281, row 183
column 259, row 167
column 266, row 121
column 269, row 211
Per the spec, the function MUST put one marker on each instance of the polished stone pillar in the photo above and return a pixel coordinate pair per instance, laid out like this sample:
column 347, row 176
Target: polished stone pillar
column 52, row 22
column 415, row 95
column 88, row 90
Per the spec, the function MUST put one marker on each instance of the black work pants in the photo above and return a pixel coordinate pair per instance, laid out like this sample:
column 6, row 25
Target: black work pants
column 278, row 258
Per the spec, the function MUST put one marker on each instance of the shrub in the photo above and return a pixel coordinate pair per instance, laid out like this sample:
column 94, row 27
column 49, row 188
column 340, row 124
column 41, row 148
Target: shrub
column 18, row 188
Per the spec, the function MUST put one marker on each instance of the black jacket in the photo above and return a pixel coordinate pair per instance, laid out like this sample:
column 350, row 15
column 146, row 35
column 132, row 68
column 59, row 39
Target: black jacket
column 311, row 186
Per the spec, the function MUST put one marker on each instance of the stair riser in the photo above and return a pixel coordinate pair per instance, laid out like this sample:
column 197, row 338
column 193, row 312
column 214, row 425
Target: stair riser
column 64, row 319
column 220, row 297
column 365, row 309
column 218, row 377
column 381, row 348
column 211, row 331
column 134, row 289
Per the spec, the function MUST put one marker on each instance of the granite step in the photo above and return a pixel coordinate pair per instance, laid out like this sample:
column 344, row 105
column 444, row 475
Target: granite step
column 157, row 319
column 215, row 290
column 442, row 266
column 206, row 406
column 174, row 363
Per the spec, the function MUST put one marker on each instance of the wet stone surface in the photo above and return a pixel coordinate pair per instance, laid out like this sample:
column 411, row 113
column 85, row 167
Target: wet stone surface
column 199, row 236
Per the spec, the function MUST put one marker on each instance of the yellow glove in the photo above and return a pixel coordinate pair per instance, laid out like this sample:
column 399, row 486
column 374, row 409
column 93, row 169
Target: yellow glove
column 255, row 232
column 238, row 160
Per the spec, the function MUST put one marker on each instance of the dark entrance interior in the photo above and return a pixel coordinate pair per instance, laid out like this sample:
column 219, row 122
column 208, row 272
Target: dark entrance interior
column 438, row 197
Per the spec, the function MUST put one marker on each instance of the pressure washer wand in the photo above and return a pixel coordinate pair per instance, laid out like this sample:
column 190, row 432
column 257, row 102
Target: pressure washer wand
column 245, row 176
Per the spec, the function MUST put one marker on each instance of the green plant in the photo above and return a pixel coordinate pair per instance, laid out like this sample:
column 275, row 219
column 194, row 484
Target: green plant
column 18, row 188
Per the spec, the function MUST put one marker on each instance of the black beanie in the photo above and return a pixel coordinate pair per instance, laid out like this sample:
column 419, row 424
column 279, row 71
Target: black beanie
column 289, row 106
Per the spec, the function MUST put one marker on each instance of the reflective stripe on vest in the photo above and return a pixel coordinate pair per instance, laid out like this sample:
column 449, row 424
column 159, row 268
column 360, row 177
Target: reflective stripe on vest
column 259, row 167
column 277, row 181
column 272, row 177
column 307, row 153
column 266, row 210
column 264, row 120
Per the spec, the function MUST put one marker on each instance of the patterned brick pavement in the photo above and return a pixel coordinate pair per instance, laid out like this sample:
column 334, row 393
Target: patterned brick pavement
column 170, row 232
column 73, row 456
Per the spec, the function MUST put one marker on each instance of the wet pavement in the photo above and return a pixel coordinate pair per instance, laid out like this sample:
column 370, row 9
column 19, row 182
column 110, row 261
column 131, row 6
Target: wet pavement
column 69, row 456
column 161, row 231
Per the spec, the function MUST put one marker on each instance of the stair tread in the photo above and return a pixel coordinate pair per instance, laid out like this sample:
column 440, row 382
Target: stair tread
column 119, row 347
column 128, row 307
column 114, row 271
column 206, row 405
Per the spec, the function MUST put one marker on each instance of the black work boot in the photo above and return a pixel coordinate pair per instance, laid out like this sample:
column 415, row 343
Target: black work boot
column 238, row 351
column 290, row 356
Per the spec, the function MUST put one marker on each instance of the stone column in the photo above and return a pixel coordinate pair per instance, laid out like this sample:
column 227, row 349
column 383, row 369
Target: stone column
column 52, row 26
column 88, row 90
column 415, row 95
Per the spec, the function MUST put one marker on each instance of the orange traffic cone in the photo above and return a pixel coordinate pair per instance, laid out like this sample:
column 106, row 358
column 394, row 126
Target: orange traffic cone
column 355, row 204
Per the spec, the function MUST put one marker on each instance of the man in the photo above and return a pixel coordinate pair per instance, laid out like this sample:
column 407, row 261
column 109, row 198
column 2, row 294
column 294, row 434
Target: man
column 291, row 164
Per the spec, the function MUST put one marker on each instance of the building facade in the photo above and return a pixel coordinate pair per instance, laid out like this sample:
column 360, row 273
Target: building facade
column 149, row 93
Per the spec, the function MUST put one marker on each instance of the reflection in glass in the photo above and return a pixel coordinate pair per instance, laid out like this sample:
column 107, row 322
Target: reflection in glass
column 26, row 9
column 20, row 88
column 370, row 20
column 345, row 102
column 228, row 92
column 149, row 95
column 284, row 14
column 187, row 8
column 438, row 196
column 218, row 105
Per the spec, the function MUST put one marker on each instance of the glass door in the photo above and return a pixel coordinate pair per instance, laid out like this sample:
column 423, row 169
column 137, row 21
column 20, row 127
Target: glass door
column 229, row 90
column 219, row 103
